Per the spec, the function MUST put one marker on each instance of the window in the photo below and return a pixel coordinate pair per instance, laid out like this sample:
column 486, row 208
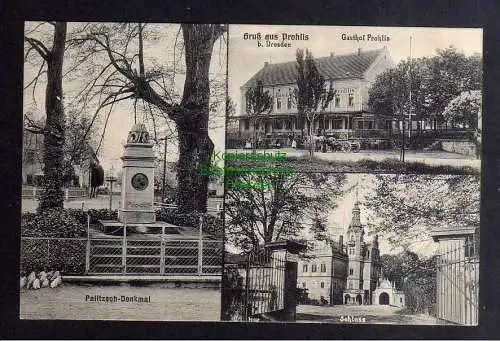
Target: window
column 288, row 124
column 321, row 124
column 278, row 124
column 368, row 253
column 350, row 285
column 401, row 300
column 323, row 267
column 246, row 124
column 278, row 100
column 351, row 100
column 289, row 99
column 322, row 285
column 313, row 268
column 337, row 101
column 303, row 284
column 337, row 124
column 351, row 272
column 304, row 268
column 299, row 124
column 351, row 251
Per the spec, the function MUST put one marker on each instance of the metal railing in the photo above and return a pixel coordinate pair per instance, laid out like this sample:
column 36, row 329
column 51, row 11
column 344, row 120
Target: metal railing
column 458, row 283
column 69, row 193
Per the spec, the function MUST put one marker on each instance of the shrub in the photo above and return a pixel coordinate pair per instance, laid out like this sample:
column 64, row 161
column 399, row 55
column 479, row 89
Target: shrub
column 212, row 225
column 48, row 249
column 51, row 223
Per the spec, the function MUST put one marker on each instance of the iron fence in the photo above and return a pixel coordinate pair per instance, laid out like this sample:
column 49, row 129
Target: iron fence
column 34, row 193
column 123, row 255
column 458, row 282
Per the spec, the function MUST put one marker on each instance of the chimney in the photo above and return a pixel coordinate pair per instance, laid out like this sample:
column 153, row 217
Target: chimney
column 341, row 242
column 332, row 54
column 359, row 51
column 266, row 64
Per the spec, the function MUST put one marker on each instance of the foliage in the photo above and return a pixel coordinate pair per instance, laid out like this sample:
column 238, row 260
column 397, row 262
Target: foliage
column 415, row 276
column 258, row 102
column 311, row 94
column 260, row 214
column 97, row 175
column 232, row 304
column 52, row 223
column 211, row 225
column 434, row 82
column 409, row 206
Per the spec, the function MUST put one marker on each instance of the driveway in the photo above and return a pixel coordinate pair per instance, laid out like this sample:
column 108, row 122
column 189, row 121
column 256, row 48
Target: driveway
column 354, row 314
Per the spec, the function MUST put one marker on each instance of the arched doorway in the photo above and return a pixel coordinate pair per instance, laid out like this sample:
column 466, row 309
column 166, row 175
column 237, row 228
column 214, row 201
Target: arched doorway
column 346, row 299
column 359, row 300
column 383, row 299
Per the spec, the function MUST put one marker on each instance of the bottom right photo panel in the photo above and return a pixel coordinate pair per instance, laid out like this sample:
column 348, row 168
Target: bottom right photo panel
column 353, row 249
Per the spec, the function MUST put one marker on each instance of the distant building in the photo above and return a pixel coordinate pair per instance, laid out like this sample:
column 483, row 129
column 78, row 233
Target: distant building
column 351, row 76
column 325, row 274
column 363, row 265
column 387, row 294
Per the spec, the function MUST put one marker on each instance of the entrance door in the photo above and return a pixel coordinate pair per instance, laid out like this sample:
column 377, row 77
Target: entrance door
column 346, row 299
column 383, row 299
column 359, row 299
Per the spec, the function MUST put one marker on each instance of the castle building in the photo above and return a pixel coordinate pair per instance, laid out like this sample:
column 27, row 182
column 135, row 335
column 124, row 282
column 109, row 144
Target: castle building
column 350, row 75
column 387, row 294
column 363, row 263
column 324, row 275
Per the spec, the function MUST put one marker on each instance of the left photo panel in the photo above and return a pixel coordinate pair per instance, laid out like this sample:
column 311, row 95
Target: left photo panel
column 118, row 220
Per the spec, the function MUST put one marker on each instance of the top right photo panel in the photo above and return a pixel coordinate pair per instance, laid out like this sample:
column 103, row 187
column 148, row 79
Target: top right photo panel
column 356, row 98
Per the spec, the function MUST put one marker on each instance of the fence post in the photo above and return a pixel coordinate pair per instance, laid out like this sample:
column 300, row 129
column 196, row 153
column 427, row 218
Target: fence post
column 162, row 251
column 47, row 262
column 87, row 248
column 66, row 194
column 124, row 250
column 34, row 193
column 200, row 248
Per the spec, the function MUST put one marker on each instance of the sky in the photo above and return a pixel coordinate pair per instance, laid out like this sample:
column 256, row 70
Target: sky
column 122, row 118
column 245, row 58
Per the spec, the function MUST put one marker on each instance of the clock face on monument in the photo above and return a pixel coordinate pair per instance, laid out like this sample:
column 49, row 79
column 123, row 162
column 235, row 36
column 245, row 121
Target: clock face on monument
column 140, row 181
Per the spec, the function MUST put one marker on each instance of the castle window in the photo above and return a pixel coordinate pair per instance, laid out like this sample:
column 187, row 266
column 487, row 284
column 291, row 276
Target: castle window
column 350, row 285
column 303, row 284
column 322, row 285
column 246, row 124
column 337, row 101
column 299, row 124
column 351, row 251
column 323, row 267
column 337, row 124
column 368, row 253
column 289, row 100
column 351, row 271
column 288, row 124
column 351, row 100
column 313, row 268
column 304, row 268
column 278, row 100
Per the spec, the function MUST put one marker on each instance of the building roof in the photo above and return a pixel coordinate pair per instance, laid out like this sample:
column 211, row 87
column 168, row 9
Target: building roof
column 352, row 65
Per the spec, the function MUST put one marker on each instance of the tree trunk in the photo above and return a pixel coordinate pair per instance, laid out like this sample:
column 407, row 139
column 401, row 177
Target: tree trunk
column 52, row 195
column 195, row 146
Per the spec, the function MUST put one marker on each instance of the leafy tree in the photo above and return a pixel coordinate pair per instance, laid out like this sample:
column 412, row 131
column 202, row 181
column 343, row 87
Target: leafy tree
column 258, row 214
column 465, row 110
column 258, row 103
column 408, row 206
column 311, row 94
column 129, row 73
column 415, row 276
column 52, row 58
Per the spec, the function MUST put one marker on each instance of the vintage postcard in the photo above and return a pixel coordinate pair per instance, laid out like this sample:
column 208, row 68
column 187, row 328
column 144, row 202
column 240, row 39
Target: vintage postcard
column 353, row 182
column 118, row 222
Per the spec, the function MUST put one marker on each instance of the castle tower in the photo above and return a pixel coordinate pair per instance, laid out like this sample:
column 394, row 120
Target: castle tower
column 355, row 245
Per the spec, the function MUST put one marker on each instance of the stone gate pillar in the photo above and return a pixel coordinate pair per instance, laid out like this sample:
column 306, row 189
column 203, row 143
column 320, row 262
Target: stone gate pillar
column 291, row 250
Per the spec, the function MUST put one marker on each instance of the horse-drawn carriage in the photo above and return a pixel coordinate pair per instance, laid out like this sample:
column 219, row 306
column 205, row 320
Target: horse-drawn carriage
column 341, row 143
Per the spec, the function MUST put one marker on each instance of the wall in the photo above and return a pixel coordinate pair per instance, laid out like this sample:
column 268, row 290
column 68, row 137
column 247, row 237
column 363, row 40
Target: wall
column 467, row 148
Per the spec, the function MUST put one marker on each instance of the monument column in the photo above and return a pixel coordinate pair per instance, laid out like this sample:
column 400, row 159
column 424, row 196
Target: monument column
column 137, row 196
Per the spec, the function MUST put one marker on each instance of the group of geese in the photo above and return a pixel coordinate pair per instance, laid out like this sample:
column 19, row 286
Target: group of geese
column 42, row 280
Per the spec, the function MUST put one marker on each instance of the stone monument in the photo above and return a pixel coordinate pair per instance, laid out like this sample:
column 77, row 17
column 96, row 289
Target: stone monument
column 137, row 196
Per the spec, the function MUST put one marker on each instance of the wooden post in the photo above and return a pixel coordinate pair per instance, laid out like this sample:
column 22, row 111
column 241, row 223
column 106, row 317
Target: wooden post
column 162, row 251
column 124, row 250
column 200, row 248
column 87, row 248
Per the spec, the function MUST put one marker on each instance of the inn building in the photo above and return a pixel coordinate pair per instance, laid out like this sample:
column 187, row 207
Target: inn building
column 351, row 76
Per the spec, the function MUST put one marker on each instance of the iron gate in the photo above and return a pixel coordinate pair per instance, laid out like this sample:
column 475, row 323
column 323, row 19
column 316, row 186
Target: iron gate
column 458, row 282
